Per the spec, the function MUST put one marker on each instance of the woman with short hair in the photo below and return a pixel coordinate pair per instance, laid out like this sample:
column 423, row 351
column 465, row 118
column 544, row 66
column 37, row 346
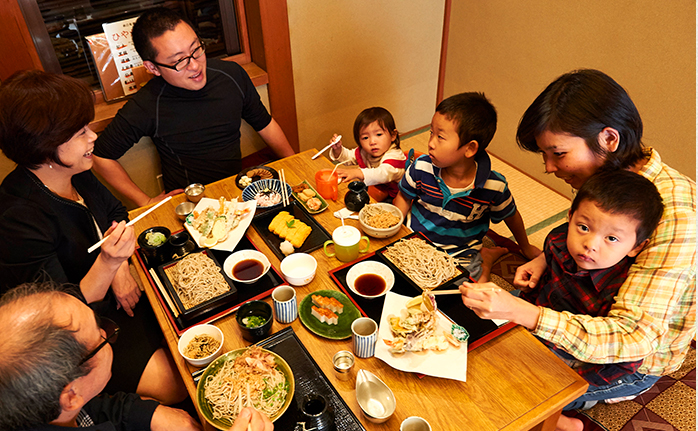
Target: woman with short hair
column 52, row 209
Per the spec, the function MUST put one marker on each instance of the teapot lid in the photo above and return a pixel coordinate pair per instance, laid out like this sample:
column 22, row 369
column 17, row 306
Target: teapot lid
column 357, row 186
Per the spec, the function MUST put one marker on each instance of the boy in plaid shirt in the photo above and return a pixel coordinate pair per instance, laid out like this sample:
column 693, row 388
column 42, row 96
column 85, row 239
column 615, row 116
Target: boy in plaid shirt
column 610, row 221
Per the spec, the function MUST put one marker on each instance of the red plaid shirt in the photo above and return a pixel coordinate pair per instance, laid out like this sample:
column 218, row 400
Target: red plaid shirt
column 564, row 288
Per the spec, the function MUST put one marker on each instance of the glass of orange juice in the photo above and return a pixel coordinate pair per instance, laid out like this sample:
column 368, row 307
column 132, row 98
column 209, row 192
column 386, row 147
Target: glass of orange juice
column 326, row 183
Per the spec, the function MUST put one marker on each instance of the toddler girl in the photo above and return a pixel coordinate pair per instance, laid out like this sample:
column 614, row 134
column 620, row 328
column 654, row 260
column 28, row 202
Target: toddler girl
column 380, row 161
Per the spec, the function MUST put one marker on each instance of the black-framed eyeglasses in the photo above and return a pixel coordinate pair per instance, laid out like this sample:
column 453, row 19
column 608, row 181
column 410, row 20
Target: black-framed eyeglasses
column 184, row 62
column 111, row 329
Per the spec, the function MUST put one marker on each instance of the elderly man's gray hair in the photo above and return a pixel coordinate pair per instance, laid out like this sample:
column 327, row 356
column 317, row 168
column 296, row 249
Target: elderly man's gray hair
column 38, row 358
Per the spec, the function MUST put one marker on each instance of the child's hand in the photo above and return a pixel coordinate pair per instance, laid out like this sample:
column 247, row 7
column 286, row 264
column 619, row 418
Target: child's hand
column 337, row 145
column 528, row 274
column 530, row 251
column 350, row 174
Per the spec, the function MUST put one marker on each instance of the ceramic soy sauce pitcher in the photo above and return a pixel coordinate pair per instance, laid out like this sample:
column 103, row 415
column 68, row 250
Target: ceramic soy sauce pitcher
column 357, row 196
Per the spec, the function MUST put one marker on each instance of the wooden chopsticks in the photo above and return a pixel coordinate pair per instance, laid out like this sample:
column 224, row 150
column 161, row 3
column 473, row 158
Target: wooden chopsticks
column 163, row 292
column 285, row 199
column 132, row 222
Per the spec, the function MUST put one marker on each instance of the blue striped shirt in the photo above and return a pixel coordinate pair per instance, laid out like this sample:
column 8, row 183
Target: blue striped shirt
column 457, row 221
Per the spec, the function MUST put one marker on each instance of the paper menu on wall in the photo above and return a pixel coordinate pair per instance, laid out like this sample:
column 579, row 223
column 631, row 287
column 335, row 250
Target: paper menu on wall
column 125, row 55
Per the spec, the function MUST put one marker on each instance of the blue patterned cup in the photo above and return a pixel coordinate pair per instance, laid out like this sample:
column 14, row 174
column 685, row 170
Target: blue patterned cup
column 285, row 304
column 364, row 336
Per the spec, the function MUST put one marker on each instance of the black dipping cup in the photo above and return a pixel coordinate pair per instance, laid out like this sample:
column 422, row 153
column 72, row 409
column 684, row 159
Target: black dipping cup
column 181, row 243
column 255, row 308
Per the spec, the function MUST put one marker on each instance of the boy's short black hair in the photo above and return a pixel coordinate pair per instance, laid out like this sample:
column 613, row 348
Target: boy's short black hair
column 627, row 193
column 151, row 24
column 474, row 116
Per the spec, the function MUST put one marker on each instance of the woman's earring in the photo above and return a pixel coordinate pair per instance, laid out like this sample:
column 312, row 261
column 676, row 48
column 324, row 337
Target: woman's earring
column 50, row 166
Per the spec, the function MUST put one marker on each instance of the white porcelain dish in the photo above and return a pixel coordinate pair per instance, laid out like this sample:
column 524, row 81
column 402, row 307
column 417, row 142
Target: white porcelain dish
column 299, row 268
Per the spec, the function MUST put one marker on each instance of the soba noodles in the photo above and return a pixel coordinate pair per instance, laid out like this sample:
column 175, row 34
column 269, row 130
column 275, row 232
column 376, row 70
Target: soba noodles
column 378, row 218
column 251, row 379
column 201, row 346
column 197, row 279
column 424, row 264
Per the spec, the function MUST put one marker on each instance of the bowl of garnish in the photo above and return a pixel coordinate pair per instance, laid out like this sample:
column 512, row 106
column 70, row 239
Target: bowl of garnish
column 246, row 266
column 154, row 244
column 254, row 319
column 194, row 192
column 201, row 344
column 266, row 192
column 380, row 220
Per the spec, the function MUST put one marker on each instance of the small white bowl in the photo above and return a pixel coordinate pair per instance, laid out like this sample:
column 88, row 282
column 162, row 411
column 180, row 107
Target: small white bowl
column 241, row 255
column 377, row 232
column 299, row 268
column 370, row 267
column 190, row 333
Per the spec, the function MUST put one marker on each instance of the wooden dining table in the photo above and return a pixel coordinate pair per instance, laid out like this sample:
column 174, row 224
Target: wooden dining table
column 513, row 381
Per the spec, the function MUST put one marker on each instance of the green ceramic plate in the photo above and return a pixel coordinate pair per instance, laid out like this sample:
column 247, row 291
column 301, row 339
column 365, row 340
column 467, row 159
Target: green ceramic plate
column 323, row 203
column 342, row 329
column 215, row 366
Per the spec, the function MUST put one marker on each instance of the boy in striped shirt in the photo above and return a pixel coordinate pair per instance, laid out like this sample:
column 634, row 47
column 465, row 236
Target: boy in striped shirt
column 452, row 194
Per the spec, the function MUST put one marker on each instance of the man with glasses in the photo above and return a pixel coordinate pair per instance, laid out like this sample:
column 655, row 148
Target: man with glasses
column 56, row 359
column 192, row 110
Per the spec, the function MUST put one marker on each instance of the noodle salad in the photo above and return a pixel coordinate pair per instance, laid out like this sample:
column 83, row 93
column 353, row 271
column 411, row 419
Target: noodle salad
column 251, row 379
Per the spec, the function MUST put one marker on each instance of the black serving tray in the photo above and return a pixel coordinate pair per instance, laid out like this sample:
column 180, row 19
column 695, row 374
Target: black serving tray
column 480, row 330
column 315, row 240
column 216, row 307
column 205, row 307
column 309, row 378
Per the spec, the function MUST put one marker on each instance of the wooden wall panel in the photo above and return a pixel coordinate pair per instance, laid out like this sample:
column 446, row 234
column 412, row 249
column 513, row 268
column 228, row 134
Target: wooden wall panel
column 17, row 50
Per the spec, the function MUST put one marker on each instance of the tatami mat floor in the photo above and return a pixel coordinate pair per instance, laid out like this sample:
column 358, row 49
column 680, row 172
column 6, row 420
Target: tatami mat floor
column 541, row 208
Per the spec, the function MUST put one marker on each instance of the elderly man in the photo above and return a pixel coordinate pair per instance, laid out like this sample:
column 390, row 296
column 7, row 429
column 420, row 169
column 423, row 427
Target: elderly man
column 56, row 360
column 192, row 110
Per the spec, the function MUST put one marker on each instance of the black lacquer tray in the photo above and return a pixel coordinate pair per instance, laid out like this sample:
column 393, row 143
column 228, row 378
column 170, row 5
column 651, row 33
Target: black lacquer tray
column 309, row 378
column 216, row 307
column 315, row 240
column 480, row 330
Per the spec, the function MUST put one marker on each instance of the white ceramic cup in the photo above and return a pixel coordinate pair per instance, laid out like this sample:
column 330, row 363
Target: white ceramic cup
column 285, row 304
column 415, row 423
column 364, row 333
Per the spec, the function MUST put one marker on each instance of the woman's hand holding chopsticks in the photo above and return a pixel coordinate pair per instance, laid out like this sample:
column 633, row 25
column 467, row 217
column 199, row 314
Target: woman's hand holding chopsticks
column 119, row 243
column 489, row 301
